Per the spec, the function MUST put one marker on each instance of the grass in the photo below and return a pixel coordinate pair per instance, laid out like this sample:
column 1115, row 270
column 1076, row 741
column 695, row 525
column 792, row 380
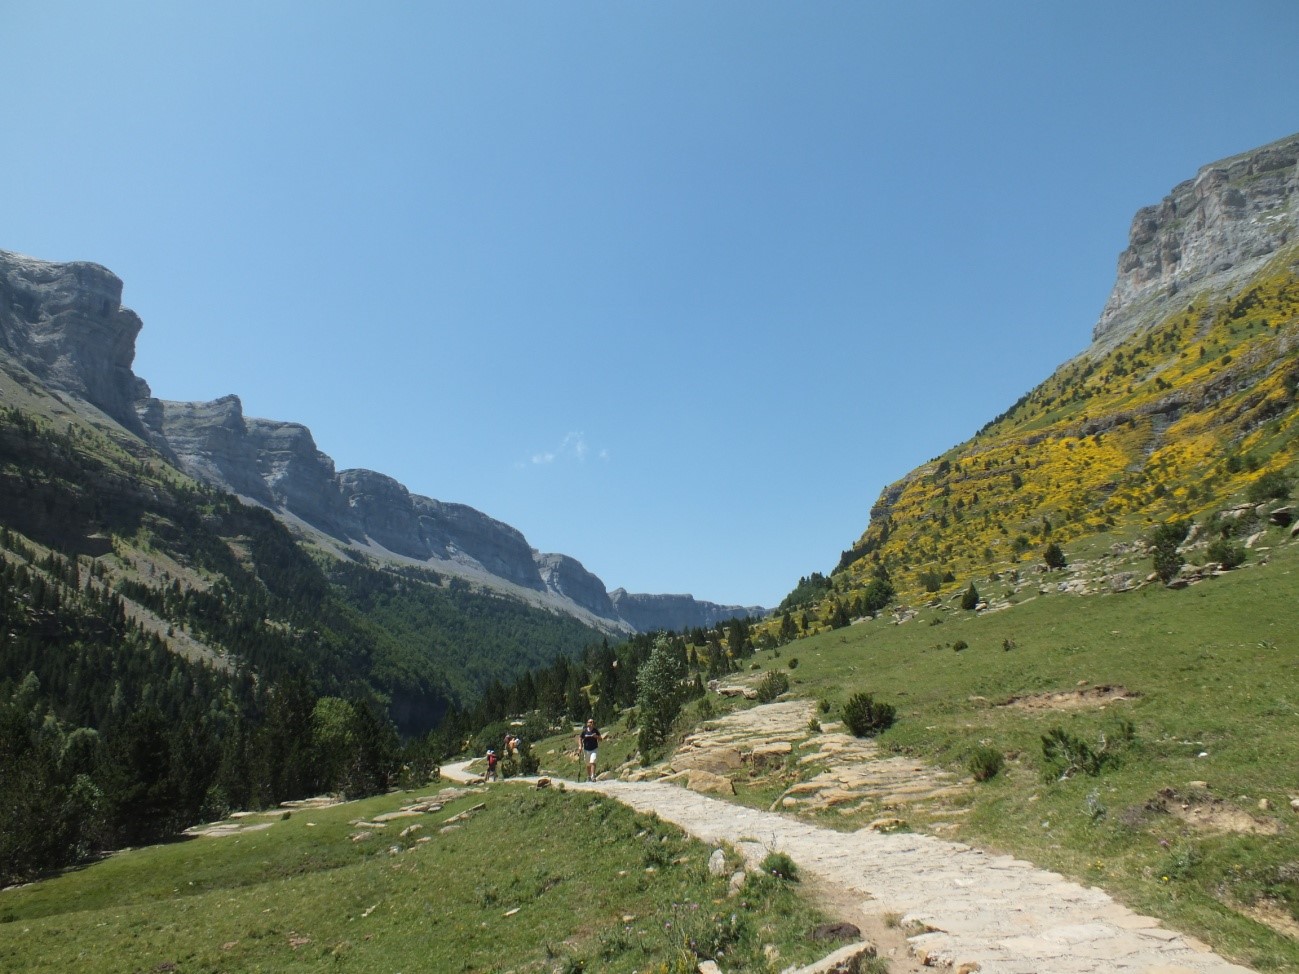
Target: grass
column 1214, row 674
column 533, row 882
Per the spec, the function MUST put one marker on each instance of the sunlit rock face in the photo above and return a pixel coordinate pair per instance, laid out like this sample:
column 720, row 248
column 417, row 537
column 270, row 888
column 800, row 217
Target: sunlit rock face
column 1211, row 231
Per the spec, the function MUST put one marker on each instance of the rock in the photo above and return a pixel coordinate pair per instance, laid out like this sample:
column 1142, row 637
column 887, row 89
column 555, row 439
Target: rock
column 707, row 783
column 1281, row 516
column 770, row 755
column 1210, row 231
column 1294, row 805
column 836, row 931
column 543, row 782
column 717, row 863
column 715, row 760
column 749, row 693
column 1122, row 581
column 709, row 967
column 65, row 324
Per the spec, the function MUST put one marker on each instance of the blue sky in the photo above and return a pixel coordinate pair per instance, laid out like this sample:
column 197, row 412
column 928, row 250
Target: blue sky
column 675, row 288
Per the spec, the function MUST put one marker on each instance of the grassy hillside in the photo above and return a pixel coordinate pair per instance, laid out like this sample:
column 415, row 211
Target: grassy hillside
column 1178, row 421
column 1189, row 698
column 527, row 882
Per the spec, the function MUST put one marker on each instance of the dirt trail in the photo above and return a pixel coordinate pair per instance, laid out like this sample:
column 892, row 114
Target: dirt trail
column 965, row 910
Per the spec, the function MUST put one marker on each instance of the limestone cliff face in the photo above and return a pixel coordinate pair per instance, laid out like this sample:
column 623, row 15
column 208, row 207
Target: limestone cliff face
column 566, row 575
column 648, row 613
column 1211, row 231
column 65, row 325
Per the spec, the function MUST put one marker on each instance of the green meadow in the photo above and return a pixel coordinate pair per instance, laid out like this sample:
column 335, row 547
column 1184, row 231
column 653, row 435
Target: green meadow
column 531, row 881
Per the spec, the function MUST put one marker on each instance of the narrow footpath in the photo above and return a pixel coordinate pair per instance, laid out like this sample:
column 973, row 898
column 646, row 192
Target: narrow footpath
column 978, row 912
column 1001, row 914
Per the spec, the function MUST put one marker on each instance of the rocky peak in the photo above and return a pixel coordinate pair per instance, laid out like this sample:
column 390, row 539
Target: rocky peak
column 65, row 324
column 1211, row 231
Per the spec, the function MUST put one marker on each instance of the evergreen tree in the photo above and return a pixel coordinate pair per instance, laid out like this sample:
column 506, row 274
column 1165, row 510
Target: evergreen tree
column 658, row 698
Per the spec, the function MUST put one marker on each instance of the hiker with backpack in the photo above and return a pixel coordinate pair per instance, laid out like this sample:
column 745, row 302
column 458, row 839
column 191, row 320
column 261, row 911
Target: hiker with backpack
column 588, row 743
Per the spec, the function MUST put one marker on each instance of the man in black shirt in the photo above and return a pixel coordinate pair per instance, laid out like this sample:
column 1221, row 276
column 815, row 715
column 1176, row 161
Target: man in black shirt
column 588, row 741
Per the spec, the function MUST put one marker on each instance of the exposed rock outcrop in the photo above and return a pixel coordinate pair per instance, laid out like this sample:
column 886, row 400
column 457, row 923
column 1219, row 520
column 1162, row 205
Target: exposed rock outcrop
column 65, row 324
column 676, row 612
column 1211, row 231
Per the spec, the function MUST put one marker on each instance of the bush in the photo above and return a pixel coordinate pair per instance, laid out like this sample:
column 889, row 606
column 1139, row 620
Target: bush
column 793, row 663
column 970, row 598
column 1065, row 755
column 779, row 864
column 865, row 718
column 1226, row 554
column 985, row 763
column 772, row 685
column 960, row 644
column 1054, row 557
column 1274, row 485
column 1164, row 541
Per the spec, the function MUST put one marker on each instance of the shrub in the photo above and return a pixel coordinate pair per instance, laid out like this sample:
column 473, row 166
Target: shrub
column 779, row 864
column 971, row 597
column 1274, row 485
column 865, row 717
column 772, row 685
column 1164, row 541
column 793, row 663
column 1054, row 557
column 1065, row 755
column 1226, row 554
column 985, row 763
column 960, row 644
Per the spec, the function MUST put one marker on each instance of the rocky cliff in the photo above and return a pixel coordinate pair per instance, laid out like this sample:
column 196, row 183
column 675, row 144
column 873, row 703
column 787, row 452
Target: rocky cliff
column 1213, row 231
column 676, row 612
column 64, row 325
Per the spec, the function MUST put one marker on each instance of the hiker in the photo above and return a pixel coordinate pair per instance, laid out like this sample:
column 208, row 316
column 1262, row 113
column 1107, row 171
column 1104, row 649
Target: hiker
column 588, row 740
column 491, row 765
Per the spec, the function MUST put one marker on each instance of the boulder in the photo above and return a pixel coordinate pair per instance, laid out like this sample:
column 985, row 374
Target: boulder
column 707, row 783
column 772, row 755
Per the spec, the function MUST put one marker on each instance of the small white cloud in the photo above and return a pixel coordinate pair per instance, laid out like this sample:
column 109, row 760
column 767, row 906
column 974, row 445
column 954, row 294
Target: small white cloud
column 573, row 447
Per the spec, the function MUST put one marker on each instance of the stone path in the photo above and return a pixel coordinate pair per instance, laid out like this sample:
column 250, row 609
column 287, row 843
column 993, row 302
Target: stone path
column 987, row 913
column 969, row 910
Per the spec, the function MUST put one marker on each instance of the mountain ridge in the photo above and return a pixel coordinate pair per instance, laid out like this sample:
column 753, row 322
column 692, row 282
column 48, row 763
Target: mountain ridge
column 65, row 325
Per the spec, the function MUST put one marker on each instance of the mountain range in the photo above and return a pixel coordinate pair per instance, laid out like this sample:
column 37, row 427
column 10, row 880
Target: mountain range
column 63, row 327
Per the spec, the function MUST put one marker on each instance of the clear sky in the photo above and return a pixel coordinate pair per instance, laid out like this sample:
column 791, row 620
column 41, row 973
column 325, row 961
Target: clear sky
column 674, row 288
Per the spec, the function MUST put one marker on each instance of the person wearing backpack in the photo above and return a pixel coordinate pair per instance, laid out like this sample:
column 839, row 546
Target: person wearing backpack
column 491, row 764
column 588, row 743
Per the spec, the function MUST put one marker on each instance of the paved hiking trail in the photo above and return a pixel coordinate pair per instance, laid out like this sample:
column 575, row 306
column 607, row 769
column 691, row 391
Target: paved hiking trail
column 966, row 910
